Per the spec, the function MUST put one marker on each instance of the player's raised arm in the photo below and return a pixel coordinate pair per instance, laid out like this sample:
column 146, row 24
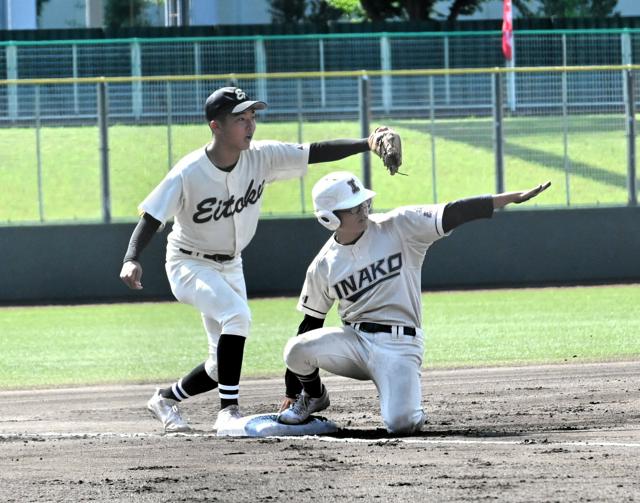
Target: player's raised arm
column 465, row 210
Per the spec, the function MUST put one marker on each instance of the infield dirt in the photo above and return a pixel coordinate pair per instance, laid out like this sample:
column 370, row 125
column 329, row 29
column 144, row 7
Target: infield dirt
column 545, row 433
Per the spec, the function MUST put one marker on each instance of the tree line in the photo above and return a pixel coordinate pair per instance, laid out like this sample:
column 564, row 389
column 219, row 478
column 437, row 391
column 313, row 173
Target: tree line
column 421, row 10
column 129, row 13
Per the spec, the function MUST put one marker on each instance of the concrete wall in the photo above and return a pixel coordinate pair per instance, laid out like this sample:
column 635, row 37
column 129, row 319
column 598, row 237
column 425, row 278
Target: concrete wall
column 80, row 263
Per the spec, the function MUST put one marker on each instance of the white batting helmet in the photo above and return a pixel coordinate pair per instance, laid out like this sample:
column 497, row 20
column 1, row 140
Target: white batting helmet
column 339, row 190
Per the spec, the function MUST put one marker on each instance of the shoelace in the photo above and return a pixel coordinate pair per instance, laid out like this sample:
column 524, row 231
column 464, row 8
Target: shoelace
column 301, row 404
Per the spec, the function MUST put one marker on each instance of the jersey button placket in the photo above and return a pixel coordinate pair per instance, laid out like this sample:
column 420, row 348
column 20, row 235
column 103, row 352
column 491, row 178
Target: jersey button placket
column 361, row 253
column 230, row 186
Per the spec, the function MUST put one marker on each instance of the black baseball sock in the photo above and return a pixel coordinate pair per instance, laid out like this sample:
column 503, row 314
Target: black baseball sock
column 312, row 383
column 194, row 383
column 230, row 353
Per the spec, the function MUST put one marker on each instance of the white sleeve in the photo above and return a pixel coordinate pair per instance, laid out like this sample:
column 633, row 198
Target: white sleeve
column 420, row 224
column 314, row 299
column 286, row 160
column 165, row 200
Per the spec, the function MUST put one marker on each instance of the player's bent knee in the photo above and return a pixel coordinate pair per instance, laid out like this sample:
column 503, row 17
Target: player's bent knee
column 296, row 357
column 238, row 324
column 404, row 424
column 291, row 351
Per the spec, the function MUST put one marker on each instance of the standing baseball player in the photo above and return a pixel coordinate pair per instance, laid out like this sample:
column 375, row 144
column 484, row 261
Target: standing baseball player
column 371, row 267
column 214, row 195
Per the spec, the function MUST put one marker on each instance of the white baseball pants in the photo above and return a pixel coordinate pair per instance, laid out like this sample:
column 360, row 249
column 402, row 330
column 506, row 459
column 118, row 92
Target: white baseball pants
column 393, row 362
column 218, row 291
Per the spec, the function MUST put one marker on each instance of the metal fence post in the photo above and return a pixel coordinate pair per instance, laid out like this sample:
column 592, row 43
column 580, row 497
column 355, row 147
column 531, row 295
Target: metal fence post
column 432, row 119
column 261, row 67
column 386, row 64
column 365, row 120
column 76, row 74
column 169, row 124
column 136, row 85
column 197, row 70
column 626, row 50
column 103, row 129
column 323, row 90
column 447, row 77
column 631, row 138
column 565, row 124
column 511, row 78
column 11, row 54
column 498, row 131
column 39, row 153
column 300, row 135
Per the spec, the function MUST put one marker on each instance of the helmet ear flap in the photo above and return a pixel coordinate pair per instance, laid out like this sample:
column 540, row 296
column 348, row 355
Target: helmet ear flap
column 328, row 219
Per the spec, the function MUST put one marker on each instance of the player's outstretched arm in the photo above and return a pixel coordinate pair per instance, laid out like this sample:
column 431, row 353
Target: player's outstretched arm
column 384, row 142
column 461, row 211
column 520, row 196
column 334, row 150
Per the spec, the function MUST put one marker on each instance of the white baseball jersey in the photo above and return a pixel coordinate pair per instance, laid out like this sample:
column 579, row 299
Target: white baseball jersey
column 216, row 212
column 378, row 278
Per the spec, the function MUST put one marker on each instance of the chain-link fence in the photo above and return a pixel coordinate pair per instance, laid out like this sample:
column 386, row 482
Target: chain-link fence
column 143, row 57
column 465, row 132
column 319, row 52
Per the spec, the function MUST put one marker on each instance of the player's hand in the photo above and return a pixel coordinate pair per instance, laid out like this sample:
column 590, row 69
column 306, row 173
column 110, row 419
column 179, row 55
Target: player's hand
column 286, row 403
column 131, row 274
column 520, row 196
column 530, row 194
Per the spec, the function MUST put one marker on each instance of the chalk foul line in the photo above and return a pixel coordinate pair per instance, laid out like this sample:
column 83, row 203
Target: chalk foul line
column 545, row 442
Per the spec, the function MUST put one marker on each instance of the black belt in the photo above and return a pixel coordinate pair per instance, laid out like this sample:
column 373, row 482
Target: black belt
column 216, row 258
column 372, row 328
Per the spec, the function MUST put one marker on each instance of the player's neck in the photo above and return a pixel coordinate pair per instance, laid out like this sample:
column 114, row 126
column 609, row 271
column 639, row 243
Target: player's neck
column 221, row 156
column 346, row 238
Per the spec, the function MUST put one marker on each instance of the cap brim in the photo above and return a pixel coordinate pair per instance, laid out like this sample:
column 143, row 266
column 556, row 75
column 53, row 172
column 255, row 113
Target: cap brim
column 358, row 198
column 246, row 105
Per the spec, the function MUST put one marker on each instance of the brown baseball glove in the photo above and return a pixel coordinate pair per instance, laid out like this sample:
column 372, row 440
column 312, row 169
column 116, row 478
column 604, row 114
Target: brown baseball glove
column 385, row 142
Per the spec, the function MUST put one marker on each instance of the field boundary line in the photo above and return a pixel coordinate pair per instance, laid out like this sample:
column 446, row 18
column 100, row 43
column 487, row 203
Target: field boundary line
column 379, row 441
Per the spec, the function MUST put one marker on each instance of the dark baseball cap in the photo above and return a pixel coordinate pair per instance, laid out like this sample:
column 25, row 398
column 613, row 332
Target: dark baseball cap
column 231, row 100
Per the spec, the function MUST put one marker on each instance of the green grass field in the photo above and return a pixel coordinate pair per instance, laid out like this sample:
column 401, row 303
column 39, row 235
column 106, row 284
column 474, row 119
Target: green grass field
column 534, row 152
column 158, row 342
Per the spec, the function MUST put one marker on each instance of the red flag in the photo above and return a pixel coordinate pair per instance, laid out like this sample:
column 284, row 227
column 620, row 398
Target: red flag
column 507, row 30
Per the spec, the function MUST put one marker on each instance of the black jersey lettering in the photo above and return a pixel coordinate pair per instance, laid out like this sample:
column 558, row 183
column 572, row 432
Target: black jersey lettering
column 213, row 208
column 348, row 285
column 355, row 285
